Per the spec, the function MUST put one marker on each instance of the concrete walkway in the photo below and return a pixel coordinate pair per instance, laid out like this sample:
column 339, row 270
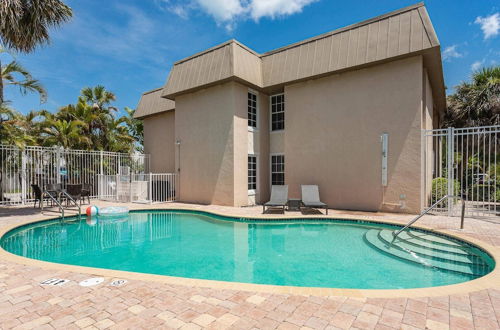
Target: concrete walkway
column 24, row 304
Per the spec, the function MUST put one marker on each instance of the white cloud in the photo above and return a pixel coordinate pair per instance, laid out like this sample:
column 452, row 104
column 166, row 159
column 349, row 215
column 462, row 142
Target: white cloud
column 228, row 12
column 274, row 8
column 489, row 24
column 476, row 65
column 451, row 52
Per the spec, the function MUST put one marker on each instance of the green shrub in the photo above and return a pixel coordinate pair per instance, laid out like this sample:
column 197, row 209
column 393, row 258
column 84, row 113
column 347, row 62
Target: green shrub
column 440, row 189
column 482, row 193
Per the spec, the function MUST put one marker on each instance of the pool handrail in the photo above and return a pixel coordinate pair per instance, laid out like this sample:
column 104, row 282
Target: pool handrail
column 68, row 197
column 424, row 212
column 59, row 205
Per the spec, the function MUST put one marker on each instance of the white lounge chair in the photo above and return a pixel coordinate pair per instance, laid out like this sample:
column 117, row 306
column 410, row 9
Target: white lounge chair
column 279, row 198
column 310, row 197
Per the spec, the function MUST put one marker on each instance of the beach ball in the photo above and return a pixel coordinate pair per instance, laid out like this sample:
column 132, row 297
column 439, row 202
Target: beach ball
column 91, row 221
column 92, row 210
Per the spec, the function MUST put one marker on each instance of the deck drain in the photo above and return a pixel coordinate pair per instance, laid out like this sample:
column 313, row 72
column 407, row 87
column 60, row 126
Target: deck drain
column 54, row 282
column 117, row 282
column 91, row 281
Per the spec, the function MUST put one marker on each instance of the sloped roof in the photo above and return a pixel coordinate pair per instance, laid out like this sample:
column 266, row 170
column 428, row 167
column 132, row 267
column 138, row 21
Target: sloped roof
column 401, row 33
column 152, row 103
column 398, row 33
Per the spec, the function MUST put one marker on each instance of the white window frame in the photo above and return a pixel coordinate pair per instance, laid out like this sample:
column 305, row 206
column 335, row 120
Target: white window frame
column 256, row 128
column 271, row 166
column 252, row 192
column 271, row 112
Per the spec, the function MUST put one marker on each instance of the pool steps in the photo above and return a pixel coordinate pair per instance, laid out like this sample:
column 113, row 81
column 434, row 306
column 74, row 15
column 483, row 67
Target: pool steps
column 428, row 250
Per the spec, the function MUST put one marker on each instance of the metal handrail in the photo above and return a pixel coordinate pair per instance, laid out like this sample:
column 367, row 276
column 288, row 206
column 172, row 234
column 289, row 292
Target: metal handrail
column 427, row 211
column 68, row 196
column 61, row 208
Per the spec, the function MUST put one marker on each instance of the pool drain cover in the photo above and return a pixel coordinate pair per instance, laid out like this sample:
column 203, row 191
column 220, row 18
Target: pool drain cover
column 117, row 282
column 92, row 281
column 54, row 282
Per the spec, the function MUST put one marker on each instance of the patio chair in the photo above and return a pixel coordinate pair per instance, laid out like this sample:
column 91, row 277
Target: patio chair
column 279, row 198
column 310, row 197
column 38, row 194
column 54, row 190
column 86, row 188
column 75, row 192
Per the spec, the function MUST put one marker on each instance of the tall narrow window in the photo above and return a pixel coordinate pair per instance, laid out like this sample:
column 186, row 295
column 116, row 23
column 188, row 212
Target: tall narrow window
column 278, row 112
column 277, row 170
column 252, row 172
column 252, row 110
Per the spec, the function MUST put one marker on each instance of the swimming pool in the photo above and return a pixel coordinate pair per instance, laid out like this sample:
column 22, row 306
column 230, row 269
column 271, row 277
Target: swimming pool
column 308, row 253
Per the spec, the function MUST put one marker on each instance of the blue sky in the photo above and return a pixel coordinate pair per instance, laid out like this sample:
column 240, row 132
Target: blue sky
column 129, row 46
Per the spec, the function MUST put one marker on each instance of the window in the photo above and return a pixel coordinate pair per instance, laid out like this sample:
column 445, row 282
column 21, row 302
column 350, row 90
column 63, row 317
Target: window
column 278, row 112
column 252, row 172
column 277, row 170
column 252, row 110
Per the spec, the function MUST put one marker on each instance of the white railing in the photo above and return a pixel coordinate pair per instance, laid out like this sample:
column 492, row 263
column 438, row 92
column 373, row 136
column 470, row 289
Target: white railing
column 20, row 168
column 139, row 188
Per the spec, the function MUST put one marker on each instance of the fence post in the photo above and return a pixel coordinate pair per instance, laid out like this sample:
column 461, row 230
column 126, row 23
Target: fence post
column 23, row 178
column 449, row 166
column 101, row 167
column 117, row 185
column 58, row 164
column 150, row 186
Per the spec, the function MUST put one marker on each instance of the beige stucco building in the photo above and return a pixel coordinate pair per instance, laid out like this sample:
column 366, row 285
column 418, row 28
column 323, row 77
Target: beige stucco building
column 232, row 122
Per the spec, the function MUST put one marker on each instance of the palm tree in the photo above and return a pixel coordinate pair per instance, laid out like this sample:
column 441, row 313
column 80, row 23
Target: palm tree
column 475, row 103
column 135, row 128
column 25, row 24
column 98, row 97
column 67, row 134
column 8, row 76
column 12, row 128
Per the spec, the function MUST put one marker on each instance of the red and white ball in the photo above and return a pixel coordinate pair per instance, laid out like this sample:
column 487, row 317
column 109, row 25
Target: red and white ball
column 92, row 210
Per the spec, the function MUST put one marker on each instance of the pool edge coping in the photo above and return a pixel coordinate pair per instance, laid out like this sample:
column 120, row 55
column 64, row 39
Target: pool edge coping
column 485, row 282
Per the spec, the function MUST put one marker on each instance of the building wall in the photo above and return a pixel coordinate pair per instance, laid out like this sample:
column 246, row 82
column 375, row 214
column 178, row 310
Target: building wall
column 332, row 136
column 159, row 141
column 428, row 123
column 206, row 124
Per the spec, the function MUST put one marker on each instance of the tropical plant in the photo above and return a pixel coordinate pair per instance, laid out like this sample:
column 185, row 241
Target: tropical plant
column 135, row 128
column 63, row 133
column 25, row 24
column 10, row 74
column 12, row 126
column 440, row 189
column 475, row 103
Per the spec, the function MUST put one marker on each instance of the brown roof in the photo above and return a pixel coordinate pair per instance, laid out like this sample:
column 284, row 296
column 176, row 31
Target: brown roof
column 401, row 33
column 152, row 103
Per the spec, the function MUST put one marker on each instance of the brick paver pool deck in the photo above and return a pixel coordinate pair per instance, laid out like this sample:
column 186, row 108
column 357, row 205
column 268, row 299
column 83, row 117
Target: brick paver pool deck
column 143, row 304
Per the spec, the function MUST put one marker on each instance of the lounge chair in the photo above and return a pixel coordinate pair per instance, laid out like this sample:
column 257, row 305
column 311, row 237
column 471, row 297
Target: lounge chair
column 279, row 198
column 310, row 197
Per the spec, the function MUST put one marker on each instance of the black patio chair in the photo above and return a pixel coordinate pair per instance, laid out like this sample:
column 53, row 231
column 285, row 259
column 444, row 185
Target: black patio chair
column 75, row 192
column 86, row 189
column 38, row 195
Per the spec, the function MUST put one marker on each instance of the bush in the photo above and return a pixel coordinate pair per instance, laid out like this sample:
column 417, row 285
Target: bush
column 482, row 193
column 440, row 189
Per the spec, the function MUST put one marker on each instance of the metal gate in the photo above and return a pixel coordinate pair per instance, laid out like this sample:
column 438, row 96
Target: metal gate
column 462, row 162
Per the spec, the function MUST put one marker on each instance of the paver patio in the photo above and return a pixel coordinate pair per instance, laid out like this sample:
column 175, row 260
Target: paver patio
column 24, row 304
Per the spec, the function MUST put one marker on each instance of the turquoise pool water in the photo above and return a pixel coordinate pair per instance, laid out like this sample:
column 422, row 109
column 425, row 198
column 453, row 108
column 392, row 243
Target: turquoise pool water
column 333, row 253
